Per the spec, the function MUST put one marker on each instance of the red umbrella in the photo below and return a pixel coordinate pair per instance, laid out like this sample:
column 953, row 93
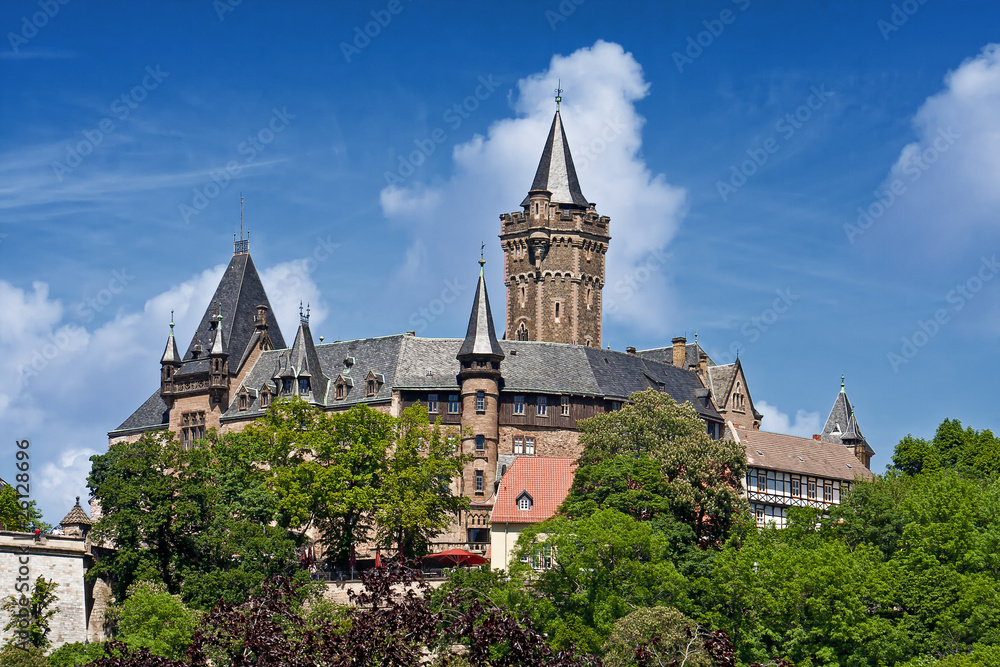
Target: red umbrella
column 457, row 557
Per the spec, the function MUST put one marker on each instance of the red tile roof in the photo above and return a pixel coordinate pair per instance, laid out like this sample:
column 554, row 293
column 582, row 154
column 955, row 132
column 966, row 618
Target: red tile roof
column 775, row 451
column 547, row 481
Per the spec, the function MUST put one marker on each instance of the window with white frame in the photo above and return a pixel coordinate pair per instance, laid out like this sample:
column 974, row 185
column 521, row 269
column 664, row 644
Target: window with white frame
column 542, row 406
column 480, row 443
column 453, row 404
column 479, row 481
column 480, row 401
column 432, row 403
column 529, row 445
column 519, row 445
column 519, row 405
column 564, row 404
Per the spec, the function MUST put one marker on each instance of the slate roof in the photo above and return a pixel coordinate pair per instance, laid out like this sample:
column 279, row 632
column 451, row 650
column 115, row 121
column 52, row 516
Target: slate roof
column 789, row 453
column 842, row 424
column 720, row 381
column 303, row 361
column 151, row 416
column 170, row 353
column 692, row 353
column 480, row 337
column 546, row 480
column 556, row 171
column 238, row 295
column 409, row 362
column 76, row 516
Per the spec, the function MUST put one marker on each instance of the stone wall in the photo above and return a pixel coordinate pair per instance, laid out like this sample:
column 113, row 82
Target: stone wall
column 60, row 559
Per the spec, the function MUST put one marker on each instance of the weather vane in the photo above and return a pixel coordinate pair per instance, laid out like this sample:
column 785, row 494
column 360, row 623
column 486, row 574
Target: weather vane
column 559, row 92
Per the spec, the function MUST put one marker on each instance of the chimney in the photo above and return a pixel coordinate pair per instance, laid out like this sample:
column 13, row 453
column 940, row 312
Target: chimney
column 680, row 351
column 817, row 437
column 703, row 363
column 411, row 333
column 630, row 349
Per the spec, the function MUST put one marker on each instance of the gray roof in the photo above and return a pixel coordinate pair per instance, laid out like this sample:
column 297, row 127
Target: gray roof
column 842, row 424
column 720, row 381
column 692, row 354
column 480, row 337
column 303, row 361
column 408, row 362
column 237, row 297
column 151, row 415
column 556, row 172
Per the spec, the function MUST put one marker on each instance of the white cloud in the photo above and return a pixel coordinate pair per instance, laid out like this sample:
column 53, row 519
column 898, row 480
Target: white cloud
column 949, row 175
column 492, row 174
column 72, row 382
column 805, row 424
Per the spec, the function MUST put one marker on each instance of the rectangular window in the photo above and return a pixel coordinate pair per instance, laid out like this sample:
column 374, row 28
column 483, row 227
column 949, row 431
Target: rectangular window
column 519, row 445
column 432, row 403
column 519, row 405
column 812, row 490
column 453, row 404
column 480, row 443
column 564, row 402
column 286, row 386
column 479, row 481
column 303, row 386
column 529, row 445
column 542, row 406
column 192, row 428
column 828, row 493
column 480, row 401
column 796, row 489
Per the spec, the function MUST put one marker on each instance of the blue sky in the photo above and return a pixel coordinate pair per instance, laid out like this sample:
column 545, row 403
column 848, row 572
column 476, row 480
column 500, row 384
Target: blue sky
column 731, row 142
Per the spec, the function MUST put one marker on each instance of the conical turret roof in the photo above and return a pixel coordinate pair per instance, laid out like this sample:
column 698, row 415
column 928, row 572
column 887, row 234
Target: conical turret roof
column 76, row 516
column 170, row 353
column 481, row 338
column 556, row 172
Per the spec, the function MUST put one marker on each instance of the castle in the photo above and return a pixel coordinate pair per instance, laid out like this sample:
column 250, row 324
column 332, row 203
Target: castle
column 520, row 394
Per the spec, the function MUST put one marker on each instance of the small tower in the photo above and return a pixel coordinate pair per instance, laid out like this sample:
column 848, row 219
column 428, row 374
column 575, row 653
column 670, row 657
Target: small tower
column 76, row 523
column 479, row 378
column 169, row 362
column 218, row 364
column 842, row 428
column 554, row 251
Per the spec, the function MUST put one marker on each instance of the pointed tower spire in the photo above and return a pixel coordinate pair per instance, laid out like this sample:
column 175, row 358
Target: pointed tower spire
column 556, row 172
column 480, row 337
column 170, row 353
column 218, row 344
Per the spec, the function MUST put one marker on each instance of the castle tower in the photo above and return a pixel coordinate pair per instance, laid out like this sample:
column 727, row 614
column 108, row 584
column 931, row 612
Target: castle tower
column 479, row 378
column 554, row 251
column 842, row 428
column 169, row 362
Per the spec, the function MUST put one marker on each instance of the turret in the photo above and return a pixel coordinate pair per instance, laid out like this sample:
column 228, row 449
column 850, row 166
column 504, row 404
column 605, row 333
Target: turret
column 169, row 362
column 479, row 377
column 218, row 363
column 76, row 523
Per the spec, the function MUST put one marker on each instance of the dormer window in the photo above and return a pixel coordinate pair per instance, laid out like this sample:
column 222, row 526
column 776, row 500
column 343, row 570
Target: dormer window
column 244, row 401
column 286, row 386
column 524, row 501
column 265, row 397
column 372, row 383
column 370, row 388
column 341, row 391
column 303, row 386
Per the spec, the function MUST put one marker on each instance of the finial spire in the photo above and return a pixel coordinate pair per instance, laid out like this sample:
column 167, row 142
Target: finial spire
column 241, row 246
column 842, row 382
column 558, row 92
column 482, row 258
column 171, row 321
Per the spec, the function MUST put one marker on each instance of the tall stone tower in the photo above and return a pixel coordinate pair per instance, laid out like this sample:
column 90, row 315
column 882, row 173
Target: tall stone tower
column 554, row 251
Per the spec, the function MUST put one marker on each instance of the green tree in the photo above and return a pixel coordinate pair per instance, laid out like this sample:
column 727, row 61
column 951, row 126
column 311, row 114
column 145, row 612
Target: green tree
column 152, row 618
column 31, row 614
column 15, row 656
column 417, row 502
column 591, row 572
column 19, row 516
column 701, row 478
column 662, row 635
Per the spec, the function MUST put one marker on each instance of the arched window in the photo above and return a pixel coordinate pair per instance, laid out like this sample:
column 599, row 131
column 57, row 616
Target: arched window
column 522, row 331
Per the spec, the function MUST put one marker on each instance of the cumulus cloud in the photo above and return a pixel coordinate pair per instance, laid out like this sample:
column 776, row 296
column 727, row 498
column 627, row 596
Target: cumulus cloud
column 805, row 424
column 492, row 174
column 942, row 190
column 75, row 371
